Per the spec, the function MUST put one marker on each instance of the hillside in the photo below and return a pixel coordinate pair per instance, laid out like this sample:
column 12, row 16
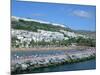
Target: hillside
column 91, row 34
column 31, row 33
column 33, row 25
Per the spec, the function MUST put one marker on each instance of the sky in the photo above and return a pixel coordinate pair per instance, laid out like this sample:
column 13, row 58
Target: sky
column 78, row 17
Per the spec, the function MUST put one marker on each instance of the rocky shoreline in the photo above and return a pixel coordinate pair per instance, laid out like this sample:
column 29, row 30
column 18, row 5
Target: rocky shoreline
column 19, row 65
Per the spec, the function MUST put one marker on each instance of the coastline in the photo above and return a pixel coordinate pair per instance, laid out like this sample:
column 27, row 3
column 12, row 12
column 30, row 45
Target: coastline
column 50, row 48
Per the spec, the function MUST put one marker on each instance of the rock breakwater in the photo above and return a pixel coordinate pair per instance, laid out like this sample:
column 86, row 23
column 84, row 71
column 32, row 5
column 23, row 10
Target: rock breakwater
column 21, row 64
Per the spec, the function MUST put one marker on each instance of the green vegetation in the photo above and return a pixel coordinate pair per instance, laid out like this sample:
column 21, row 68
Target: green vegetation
column 13, row 42
column 86, row 42
column 33, row 26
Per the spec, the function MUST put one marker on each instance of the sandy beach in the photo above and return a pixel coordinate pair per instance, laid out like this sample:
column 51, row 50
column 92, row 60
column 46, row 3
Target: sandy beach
column 49, row 48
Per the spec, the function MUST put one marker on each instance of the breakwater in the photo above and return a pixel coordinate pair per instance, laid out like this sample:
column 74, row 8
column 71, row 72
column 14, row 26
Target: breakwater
column 20, row 64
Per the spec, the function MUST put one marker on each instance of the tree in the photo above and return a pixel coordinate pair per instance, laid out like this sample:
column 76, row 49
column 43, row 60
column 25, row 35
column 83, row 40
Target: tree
column 32, row 43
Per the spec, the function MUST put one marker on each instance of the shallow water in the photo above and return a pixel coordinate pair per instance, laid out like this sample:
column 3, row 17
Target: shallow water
column 42, row 53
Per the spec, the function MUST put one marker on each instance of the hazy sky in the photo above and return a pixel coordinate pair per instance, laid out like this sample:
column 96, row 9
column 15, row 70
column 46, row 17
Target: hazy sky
column 74, row 16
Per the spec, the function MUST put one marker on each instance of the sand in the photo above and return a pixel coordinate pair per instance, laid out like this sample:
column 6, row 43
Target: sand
column 50, row 48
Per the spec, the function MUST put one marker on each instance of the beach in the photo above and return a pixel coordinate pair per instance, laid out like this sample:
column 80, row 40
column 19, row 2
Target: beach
column 50, row 48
